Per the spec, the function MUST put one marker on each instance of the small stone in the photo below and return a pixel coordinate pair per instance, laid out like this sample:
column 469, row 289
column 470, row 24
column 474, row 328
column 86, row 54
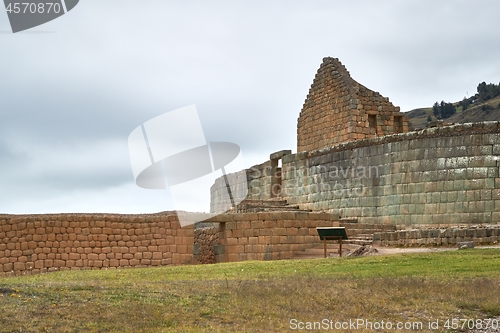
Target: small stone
column 465, row 245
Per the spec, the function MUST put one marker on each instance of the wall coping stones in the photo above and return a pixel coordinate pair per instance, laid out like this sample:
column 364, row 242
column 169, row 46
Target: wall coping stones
column 279, row 154
column 435, row 132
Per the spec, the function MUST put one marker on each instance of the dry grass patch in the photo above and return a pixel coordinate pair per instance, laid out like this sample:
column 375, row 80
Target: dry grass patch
column 255, row 296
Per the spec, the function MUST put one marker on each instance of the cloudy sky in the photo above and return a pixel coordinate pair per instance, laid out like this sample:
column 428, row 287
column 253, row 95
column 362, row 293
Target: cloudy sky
column 72, row 90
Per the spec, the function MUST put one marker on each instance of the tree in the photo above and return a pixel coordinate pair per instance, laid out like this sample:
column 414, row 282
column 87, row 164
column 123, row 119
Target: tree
column 443, row 110
column 436, row 110
column 487, row 91
column 464, row 103
column 447, row 110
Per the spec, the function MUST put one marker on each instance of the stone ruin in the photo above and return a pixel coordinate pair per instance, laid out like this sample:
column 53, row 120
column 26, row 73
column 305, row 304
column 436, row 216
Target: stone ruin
column 436, row 187
column 339, row 109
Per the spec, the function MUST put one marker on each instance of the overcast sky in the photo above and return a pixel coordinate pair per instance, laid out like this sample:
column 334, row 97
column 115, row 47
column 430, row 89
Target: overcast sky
column 72, row 90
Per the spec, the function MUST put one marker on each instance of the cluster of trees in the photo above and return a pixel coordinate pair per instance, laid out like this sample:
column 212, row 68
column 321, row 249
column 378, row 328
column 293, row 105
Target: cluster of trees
column 487, row 91
column 484, row 93
column 443, row 110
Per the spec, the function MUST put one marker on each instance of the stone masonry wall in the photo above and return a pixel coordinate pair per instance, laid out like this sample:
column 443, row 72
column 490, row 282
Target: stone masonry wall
column 482, row 234
column 445, row 175
column 258, row 180
column 339, row 109
column 270, row 235
column 32, row 244
column 205, row 242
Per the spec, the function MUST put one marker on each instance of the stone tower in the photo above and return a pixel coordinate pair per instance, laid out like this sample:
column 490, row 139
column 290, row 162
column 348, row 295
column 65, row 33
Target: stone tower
column 339, row 109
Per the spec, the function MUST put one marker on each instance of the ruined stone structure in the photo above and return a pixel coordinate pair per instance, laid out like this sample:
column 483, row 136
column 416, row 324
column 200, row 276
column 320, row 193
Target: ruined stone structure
column 206, row 249
column 356, row 166
column 478, row 234
column 443, row 175
column 31, row 244
column 339, row 109
column 41, row 243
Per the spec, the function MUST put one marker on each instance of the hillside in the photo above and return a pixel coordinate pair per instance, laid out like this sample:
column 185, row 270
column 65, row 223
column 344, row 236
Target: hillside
column 480, row 111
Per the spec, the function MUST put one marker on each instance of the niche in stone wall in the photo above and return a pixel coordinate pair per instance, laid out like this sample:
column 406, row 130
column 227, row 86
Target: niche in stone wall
column 372, row 121
column 398, row 124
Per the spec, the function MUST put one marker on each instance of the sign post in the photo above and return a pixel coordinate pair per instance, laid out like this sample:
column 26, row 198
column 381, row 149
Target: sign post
column 332, row 233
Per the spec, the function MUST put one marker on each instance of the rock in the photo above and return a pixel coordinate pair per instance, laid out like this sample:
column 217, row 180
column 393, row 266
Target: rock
column 362, row 251
column 465, row 245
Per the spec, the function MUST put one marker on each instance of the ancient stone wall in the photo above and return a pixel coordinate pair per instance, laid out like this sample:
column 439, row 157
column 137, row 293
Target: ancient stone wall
column 480, row 235
column 339, row 109
column 206, row 241
column 444, row 175
column 270, row 235
column 48, row 242
column 439, row 175
column 258, row 182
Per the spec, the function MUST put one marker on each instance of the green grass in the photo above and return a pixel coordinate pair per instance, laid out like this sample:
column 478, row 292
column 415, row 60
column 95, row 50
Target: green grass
column 255, row 296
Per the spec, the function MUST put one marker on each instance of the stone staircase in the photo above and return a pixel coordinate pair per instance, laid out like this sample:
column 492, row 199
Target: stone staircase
column 270, row 205
column 359, row 234
column 362, row 233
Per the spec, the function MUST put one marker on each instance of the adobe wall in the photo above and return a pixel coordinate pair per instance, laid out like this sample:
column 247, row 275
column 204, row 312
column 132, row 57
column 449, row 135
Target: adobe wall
column 338, row 109
column 48, row 242
column 444, row 175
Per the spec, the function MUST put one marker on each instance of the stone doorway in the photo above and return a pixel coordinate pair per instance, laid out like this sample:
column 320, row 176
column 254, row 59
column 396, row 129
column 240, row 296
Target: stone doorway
column 276, row 169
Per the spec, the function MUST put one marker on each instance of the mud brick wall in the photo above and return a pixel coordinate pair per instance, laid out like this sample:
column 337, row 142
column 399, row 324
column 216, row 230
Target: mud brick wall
column 270, row 235
column 483, row 234
column 339, row 109
column 48, row 242
column 205, row 242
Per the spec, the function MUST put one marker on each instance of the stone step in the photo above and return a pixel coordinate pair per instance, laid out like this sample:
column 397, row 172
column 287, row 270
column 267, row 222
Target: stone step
column 270, row 202
column 348, row 220
column 367, row 226
column 268, row 206
column 359, row 241
column 356, row 233
column 271, row 205
column 362, row 236
column 272, row 209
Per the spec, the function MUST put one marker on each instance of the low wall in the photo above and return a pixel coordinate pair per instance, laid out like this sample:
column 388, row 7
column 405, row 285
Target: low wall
column 48, row 242
column 270, row 235
column 483, row 234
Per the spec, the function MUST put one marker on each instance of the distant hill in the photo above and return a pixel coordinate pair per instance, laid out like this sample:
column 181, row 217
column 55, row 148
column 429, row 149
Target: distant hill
column 477, row 110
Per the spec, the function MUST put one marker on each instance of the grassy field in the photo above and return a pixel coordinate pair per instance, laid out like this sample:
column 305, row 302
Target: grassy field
column 263, row 296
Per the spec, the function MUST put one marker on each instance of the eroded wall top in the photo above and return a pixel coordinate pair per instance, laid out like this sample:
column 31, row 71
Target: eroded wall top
column 339, row 109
